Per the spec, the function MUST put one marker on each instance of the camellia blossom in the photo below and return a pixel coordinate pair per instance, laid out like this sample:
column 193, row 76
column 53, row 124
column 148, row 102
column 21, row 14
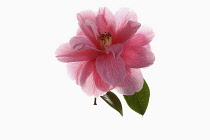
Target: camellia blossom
column 107, row 52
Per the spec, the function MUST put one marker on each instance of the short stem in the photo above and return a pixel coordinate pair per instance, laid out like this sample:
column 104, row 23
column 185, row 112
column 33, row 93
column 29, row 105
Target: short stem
column 95, row 101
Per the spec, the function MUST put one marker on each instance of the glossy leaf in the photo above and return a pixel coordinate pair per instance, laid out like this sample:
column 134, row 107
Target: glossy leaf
column 139, row 100
column 111, row 99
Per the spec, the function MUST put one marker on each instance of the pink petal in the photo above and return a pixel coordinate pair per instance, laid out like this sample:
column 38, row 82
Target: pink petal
column 132, row 83
column 65, row 54
column 80, row 32
column 93, row 27
column 87, row 14
column 91, row 89
column 126, row 32
column 100, row 84
column 123, row 16
column 116, row 49
column 138, row 57
column 87, row 23
column 91, row 82
column 74, row 70
column 81, row 42
column 112, row 70
column 105, row 21
column 143, row 37
column 87, row 77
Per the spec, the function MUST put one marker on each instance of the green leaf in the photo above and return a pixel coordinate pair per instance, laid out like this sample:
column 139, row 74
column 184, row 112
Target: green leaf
column 139, row 100
column 111, row 99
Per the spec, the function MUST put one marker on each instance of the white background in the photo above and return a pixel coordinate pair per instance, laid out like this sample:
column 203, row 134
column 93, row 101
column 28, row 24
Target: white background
column 39, row 102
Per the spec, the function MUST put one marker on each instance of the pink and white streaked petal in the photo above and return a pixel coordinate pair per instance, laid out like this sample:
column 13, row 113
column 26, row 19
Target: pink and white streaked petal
column 90, row 88
column 142, row 37
column 86, row 14
column 81, row 42
column 138, row 57
column 105, row 21
column 111, row 70
column 65, row 54
column 100, row 84
column 132, row 83
column 80, row 32
column 122, row 16
column 87, row 23
column 92, row 25
column 74, row 70
column 90, row 81
column 116, row 49
column 126, row 32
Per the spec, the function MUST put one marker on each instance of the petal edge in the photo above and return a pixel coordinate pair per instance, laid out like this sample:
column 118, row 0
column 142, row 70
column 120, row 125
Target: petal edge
column 112, row 70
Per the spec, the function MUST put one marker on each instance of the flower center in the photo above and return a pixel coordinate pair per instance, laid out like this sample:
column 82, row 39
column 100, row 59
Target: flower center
column 105, row 39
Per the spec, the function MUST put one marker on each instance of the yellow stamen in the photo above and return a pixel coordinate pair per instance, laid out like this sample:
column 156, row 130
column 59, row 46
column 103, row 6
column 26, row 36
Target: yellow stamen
column 105, row 39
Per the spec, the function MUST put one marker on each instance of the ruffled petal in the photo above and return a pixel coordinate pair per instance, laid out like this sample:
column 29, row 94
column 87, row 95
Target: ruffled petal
column 93, row 27
column 116, row 49
column 87, row 23
column 87, row 77
column 91, row 82
column 126, row 32
column 132, row 83
column 138, row 57
column 112, row 70
column 79, row 31
column 81, row 42
column 65, row 54
column 75, row 69
column 142, row 37
column 87, row 14
column 105, row 21
column 123, row 16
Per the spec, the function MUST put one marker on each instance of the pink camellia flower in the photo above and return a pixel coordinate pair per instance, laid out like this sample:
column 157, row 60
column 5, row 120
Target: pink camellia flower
column 107, row 52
